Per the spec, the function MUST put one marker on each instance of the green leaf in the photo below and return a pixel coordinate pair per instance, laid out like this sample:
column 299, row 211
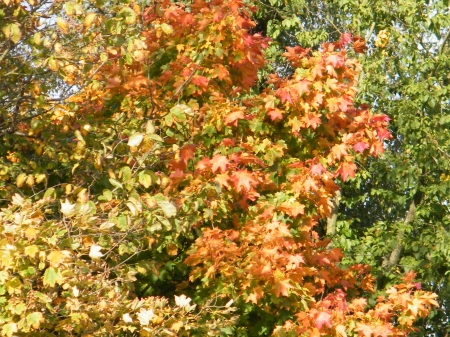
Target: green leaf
column 52, row 276
column 115, row 183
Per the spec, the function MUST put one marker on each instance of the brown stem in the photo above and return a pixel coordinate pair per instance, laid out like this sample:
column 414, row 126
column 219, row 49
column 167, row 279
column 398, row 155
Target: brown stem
column 396, row 253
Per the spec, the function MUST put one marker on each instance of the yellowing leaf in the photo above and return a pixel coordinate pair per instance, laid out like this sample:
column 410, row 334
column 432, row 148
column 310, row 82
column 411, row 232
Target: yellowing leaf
column 63, row 25
column 176, row 326
column 20, row 180
column 168, row 208
column 9, row 329
column 35, row 319
column 90, row 17
column 30, row 233
column 55, row 258
column 167, row 28
column 12, row 32
column 30, row 181
column 37, row 38
column 31, row 250
column 135, row 139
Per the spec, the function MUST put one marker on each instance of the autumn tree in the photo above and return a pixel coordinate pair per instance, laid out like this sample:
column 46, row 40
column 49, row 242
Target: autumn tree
column 393, row 216
column 152, row 188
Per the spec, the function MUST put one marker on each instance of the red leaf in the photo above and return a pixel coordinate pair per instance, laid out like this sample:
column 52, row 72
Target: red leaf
column 347, row 170
column 228, row 142
column 345, row 39
column 359, row 44
column 324, row 318
column 335, row 60
column 200, row 81
column 317, row 169
column 360, row 147
column 203, row 164
column 383, row 133
column 219, row 162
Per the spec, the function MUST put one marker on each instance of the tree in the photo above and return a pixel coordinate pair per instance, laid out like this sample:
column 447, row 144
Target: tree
column 150, row 188
column 394, row 214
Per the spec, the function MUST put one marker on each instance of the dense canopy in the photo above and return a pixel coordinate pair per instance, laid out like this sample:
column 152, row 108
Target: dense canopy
column 223, row 168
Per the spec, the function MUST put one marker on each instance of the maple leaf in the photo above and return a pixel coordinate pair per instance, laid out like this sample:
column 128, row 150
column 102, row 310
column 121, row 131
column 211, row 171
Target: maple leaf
column 359, row 45
column 347, row 169
column 284, row 95
column 310, row 184
column 312, row 120
column 323, row 318
column 271, row 101
column 335, row 60
column 219, row 162
column 338, row 151
column 275, row 114
column 232, row 118
column 200, row 81
column 187, row 152
column 293, row 209
column 365, row 330
column 282, row 287
column 302, row 86
column 317, row 169
column 222, row 179
column 243, row 180
column 383, row 133
column 346, row 38
column 296, row 259
column 136, row 82
column 360, row 146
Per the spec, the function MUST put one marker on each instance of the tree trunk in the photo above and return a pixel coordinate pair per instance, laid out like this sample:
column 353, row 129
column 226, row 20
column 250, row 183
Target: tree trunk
column 331, row 221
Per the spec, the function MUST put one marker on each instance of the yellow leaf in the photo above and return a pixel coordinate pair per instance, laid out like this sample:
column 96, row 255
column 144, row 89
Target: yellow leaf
column 55, row 258
column 63, row 25
column 30, row 233
column 340, row 331
column 37, row 38
column 20, row 180
column 30, row 181
column 90, row 17
column 176, row 326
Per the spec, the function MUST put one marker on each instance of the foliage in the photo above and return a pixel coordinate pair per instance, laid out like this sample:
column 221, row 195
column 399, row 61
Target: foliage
column 394, row 215
column 141, row 164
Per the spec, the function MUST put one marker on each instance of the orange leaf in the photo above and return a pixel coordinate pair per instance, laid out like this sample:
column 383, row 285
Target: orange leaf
column 282, row 287
column 243, row 179
column 187, row 152
column 232, row 118
column 219, row 162
column 347, row 170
